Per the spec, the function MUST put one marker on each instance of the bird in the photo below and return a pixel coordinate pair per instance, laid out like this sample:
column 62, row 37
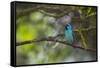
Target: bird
column 69, row 33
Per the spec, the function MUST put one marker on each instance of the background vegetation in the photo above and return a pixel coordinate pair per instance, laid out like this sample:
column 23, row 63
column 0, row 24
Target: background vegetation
column 38, row 21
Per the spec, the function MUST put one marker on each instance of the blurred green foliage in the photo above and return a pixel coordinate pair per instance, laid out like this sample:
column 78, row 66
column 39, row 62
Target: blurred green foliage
column 35, row 25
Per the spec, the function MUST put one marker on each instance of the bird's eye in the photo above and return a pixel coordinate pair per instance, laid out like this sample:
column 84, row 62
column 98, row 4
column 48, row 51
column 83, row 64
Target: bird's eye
column 66, row 27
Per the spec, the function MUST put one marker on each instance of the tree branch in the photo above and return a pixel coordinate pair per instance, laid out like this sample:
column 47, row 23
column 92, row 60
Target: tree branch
column 49, row 10
column 52, row 39
column 27, row 11
column 52, row 14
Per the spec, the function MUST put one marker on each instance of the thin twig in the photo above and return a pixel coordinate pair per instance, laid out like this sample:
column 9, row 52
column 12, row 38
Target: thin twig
column 85, row 29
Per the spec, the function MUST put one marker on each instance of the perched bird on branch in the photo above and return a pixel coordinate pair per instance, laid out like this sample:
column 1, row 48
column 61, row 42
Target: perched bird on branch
column 67, row 22
column 69, row 33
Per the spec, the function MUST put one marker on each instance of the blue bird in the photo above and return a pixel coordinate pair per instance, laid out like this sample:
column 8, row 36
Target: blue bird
column 69, row 33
